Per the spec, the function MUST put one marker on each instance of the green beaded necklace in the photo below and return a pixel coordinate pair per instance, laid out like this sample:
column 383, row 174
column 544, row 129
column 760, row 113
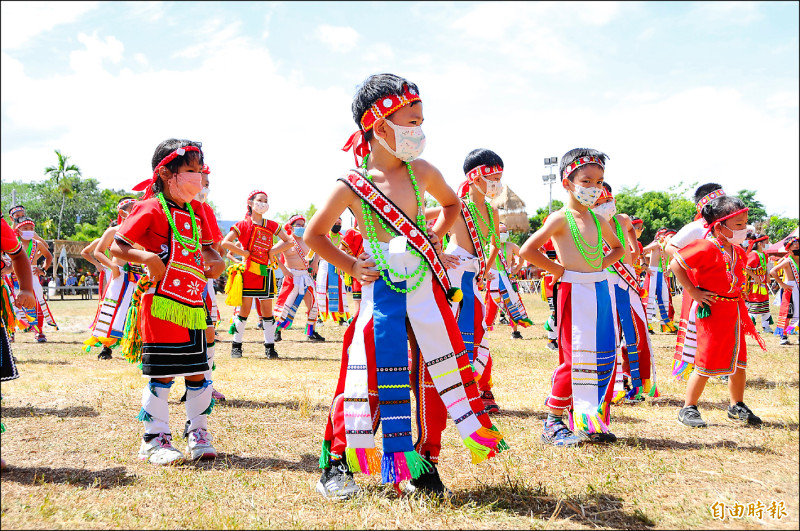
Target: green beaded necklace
column 593, row 254
column 372, row 238
column 485, row 241
column 192, row 244
column 621, row 238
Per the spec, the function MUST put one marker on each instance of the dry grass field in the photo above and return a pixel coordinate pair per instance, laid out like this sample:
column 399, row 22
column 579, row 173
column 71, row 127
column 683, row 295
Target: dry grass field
column 71, row 444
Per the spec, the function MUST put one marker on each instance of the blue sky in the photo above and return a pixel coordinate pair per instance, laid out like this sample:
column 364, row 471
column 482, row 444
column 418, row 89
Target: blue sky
column 681, row 91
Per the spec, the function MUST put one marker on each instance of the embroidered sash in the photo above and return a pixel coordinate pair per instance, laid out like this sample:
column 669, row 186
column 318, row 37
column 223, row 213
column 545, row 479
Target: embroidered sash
column 476, row 241
column 395, row 217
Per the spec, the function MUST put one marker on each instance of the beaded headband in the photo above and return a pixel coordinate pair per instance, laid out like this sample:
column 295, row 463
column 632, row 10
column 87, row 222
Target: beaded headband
column 605, row 193
column 15, row 209
column 637, row 222
column 296, row 217
column 381, row 108
column 483, row 171
column 255, row 193
column 146, row 184
column 25, row 221
column 790, row 241
column 713, row 195
column 125, row 202
column 582, row 161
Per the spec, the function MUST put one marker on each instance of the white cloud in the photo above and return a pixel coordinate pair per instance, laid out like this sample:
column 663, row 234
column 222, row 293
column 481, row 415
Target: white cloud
column 150, row 11
column 21, row 21
column 91, row 59
column 340, row 38
column 783, row 100
column 725, row 13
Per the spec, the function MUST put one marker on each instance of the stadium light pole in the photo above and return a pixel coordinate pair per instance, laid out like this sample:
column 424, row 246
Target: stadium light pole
column 549, row 179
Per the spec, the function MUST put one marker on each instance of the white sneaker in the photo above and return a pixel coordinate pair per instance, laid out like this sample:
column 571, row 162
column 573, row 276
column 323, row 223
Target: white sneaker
column 159, row 451
column 198, row 445
column 768, row 329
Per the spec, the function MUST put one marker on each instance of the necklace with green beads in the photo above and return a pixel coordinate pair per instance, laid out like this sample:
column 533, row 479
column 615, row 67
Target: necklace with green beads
column 592, row 254
column 192, row 244
column 377, row 251
column 485, row 241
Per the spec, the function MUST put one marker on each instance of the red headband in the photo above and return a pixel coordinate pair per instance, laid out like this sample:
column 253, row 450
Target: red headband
column 292, row 219
column 474, row 173
column 122, row 204
column 26, row 221
column 752, row 243
column 582, row 161
column 637, row 222
column 205, row 169
column 15, row 209
column 729, row 216
column 605, row 193
column 790, row 241
column 146, row 185
column 381, row 108
column 713, row 195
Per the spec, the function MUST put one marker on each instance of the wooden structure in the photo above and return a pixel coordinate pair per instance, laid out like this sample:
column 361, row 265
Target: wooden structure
column 512, row 211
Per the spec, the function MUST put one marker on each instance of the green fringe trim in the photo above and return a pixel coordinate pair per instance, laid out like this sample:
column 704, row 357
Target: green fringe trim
column 180, row 314
column 232, row 328
column 2, row 428
column 547, row 326
column 417, row 465
column 214, row 367
column 479, row 451
column 502, row 444
column 325, row 455
column 210, row 407
column 703, row 312
column 144, row 416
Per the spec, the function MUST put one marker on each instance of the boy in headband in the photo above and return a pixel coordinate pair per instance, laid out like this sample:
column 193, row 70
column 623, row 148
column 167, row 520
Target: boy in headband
column 474, row 244
column 582, row 384
column 659, row 296
column 298, row 284
column 635, row 359
column 256, row 274
column 406, row 298
column 16, row 213
column 167, row 322
column 717, row 282
column 757, row 291
column 687, row 324
column 109, row 324
column 36, row 248
column 791, row 295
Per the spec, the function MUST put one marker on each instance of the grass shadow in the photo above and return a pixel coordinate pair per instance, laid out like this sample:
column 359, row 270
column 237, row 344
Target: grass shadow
column 670, row 445
column 98, row 479
column 261, row 404
column 678, row 403
column 24, row 361
column 615, row 417
column 224, row 461
column 598, row 510
column 763, row 383
column 30, row 411
column 793, row 426
column 522, row 413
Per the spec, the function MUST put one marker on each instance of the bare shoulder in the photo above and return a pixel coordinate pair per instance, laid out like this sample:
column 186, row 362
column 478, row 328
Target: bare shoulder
column 423, row 168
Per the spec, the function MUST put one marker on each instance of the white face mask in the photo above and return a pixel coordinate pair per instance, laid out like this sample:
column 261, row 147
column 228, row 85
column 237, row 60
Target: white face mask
column 606, row 210
column 738, row 236
column 202, row 195
column 409, row 142
column 27, row 234
column 587, row 196
column 260, row 207
column 493, row 188
column 503, row 236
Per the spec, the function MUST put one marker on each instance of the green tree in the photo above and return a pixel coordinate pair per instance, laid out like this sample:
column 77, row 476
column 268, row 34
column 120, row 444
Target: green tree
column 537, row 220
column 656, row 209
column 66, row 177
column 777, row 227
column 757, row 211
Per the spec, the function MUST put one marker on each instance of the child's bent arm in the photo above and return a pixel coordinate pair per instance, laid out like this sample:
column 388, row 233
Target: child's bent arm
column 610, row 236
column 103, row 244
column 124, row 251
column 530, row 249
column 229, row 244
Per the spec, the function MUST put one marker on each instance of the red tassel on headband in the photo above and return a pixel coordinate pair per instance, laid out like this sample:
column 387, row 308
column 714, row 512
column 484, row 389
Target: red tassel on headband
column 753, row 243
column 147, row 185
column 359, row 146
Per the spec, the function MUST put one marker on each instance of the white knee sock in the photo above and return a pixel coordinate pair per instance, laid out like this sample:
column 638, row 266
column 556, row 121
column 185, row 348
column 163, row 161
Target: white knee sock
column 198, row 405
column 155, row 411
column 239, row 323
column 269, row 330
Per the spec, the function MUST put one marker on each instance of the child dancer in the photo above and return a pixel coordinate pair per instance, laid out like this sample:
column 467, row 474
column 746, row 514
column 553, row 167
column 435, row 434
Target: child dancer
column 255, row 235
column 167, row 324
column 473, row 245
column 583, row 381
column 503, row 291
column 550, row 290
column 330, row 290
column 757, row 292
column 791, row 295
column 298, row 285
column 353, row 244
column 635, row 356
column 686, row 343
column 659, row 297
column 109, row 325
column 404, row 299
column 36, row 248
column 22, row 269
column 717, row 284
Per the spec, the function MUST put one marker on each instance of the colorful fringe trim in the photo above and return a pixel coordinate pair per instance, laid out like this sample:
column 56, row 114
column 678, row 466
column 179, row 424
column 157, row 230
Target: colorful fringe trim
column 210, row 407
column 364, row 460
column 681, row 369
column 483, row 444
column 325, row 454
column 335, row 316
column 399, row 466
column 650, row 389
column 7, row 315
column 132, row 335
column 703, row 311
column 95, row 341
column 234, row 285
column 524, row 323
column 670, row 326
column 180, row 314
column 144, row 416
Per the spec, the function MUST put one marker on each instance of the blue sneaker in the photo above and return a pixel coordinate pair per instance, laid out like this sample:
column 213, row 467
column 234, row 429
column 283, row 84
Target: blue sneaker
column 558, row 434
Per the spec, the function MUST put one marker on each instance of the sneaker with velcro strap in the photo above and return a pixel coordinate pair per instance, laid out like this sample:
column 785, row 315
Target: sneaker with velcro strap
column 740, row 412
column 690, row 416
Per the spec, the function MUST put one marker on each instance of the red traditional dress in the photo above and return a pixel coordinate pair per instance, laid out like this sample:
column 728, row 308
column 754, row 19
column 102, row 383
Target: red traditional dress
column 757, row 294
column 721, row 348
column 11, row 246
column 354, row 244
column 258, row 277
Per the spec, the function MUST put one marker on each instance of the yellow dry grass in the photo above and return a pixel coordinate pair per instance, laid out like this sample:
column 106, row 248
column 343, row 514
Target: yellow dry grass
column 72, row 440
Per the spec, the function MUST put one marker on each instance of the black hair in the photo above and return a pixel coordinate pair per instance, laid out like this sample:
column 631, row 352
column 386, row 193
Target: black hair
column 607, row 187
column 374, row 88
column 168, row 146
column 721, row 207
column 481, row 157
column 113, row 223
column 574, row 154
column 662, row 229
column 704, row 190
